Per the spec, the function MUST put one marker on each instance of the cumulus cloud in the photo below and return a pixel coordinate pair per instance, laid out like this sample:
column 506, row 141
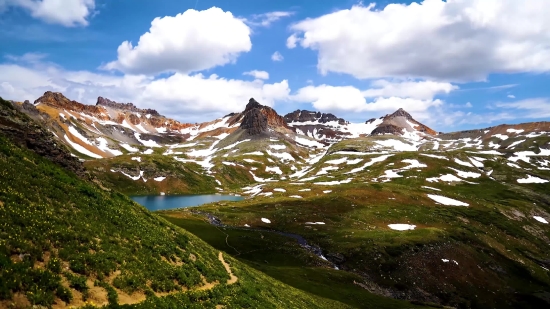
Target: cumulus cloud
column 414, row 89
column 453, row 40
column 386, row 97
column 511, row 96
column 188, row 42
column 277, row 56
column 188, row 98
column 257, row 74
column 266, row 19
column 67, row 13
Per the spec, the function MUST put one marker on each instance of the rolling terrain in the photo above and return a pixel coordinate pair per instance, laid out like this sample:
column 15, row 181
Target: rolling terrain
column 67, row 242
column 391, row 210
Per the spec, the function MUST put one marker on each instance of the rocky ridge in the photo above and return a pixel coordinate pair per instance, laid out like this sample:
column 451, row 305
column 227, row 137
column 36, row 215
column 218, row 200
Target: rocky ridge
column 306, row 116
column 23, row 131
column 130, row 107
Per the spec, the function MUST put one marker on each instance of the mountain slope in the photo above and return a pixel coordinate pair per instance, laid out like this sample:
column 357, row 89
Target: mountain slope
column 64, row 241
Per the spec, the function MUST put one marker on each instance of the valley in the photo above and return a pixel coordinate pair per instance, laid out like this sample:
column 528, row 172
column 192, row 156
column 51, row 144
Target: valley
column 398, row 215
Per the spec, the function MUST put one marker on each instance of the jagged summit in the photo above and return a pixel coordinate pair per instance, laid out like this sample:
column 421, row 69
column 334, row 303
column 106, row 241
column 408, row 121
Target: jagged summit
column 101, row 101
column 258, row 119
column 58, row 100
column 310, row 116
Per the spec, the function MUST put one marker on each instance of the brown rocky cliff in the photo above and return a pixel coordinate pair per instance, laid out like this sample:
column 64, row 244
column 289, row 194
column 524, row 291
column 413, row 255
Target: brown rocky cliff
column 58, row 100
column 258, row 118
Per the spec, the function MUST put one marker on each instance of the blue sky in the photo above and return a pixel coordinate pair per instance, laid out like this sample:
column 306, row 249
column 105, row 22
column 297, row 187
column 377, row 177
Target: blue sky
column 453, row 65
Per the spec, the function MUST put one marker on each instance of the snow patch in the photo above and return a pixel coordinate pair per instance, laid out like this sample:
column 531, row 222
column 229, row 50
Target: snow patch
column 446, row 201
column 401, row 227
column 434, row 156
column 129, row 148
column 149, row 143
column 463, row 163
column 532, row 179
column 435, row 189
column 81, row 149
column 515, row 131
column 540, row 219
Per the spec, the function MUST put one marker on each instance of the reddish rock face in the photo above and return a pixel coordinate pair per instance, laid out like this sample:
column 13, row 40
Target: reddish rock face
column 258, row 118
column 133, row 119
column 57, row 99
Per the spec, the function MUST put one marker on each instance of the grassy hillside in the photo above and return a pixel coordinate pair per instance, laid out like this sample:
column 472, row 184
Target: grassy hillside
column 65, row 242
column 491, row 254
column 181, row 178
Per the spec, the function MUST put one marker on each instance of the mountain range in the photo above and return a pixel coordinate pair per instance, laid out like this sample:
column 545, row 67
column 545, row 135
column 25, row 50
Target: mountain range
column 388, row 213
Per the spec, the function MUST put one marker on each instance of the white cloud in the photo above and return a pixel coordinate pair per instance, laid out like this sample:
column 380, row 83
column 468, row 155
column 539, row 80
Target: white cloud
column 257, row 74
column 454, row 40
column 67, row 13
column 277, row 56
column 266, row 19
column 414, row 89
column 468, row 105
column 188, row 42
column 27, row 57
column 351, row 99
column 511, row 96
column 186, row 98
column 528, row 108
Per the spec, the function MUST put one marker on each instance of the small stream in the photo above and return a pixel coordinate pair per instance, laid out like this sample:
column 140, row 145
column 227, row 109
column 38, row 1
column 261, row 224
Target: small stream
column 301, row 240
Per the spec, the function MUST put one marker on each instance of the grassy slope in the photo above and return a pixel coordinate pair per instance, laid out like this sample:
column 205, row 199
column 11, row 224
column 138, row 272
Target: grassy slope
column 282, row 258
column 497, row 251
column 63, row 240
column 181, row 178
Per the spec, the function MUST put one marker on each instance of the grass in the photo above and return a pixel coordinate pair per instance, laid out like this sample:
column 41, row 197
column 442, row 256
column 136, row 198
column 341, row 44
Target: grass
column 62, row 237
column 283, row 259
column 496, row 250
column 181, row 178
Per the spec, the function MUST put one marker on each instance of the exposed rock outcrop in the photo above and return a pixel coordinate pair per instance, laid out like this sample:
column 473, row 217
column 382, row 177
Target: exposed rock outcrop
column 400, row 122
column 26, row 132
column 130, row 107
column 259, row 119
column 58, row 100
column 305, row 116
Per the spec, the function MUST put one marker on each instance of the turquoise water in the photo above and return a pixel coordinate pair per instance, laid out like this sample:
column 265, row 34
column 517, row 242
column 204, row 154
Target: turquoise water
column 161, row 202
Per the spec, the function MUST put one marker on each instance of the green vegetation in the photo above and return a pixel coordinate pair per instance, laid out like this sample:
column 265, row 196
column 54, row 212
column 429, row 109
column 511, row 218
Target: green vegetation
column 65, row 241
column 497, row 245
column 188, row 178
column 282, row 258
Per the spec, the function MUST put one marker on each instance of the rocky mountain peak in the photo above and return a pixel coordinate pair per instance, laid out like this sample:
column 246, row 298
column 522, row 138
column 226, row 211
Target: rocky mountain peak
column 305, row 116
column 400, row 122
column 57, row 99
column 259, row 118
column 252, row 104
column 400, row 113
column 130, row 107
